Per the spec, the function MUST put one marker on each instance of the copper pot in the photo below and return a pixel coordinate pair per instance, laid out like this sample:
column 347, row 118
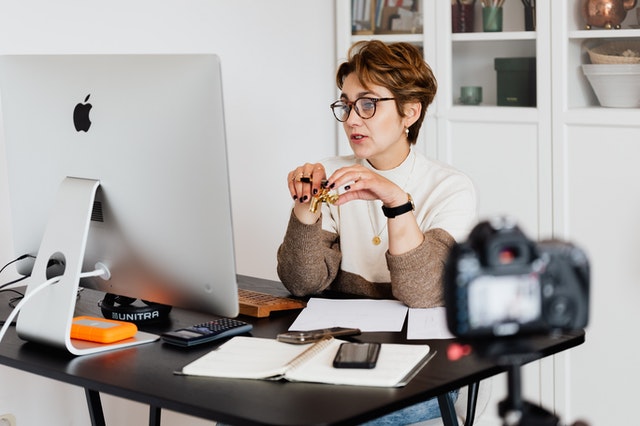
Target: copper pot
column 606, row 13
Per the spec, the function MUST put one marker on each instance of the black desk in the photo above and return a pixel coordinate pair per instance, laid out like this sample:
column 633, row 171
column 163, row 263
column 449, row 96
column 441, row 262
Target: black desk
column 145, row 374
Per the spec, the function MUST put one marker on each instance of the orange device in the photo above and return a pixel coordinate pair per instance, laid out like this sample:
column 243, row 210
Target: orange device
column 101, row 330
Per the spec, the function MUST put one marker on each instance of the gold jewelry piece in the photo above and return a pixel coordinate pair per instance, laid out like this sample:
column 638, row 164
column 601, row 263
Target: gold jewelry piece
column 377, row 239
column 323, row 196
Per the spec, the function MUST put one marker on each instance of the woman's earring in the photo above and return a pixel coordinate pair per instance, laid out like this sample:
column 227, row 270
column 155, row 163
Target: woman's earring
column 406, row 131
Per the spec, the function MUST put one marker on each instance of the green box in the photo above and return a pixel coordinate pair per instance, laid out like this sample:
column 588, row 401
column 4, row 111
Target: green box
column 516, row 79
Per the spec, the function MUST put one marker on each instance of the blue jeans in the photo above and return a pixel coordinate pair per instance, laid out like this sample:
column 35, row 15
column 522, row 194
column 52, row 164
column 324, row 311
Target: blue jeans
column 420, row 412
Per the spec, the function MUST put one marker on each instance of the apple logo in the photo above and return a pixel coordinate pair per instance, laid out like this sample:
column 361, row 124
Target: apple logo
column 81, row 119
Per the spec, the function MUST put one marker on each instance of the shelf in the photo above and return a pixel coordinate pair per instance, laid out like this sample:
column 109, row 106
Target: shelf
column 580, row 95
column 602, row 116
column 598, row 33
column 499, row 36
column 389, row 38
column 493, row 114
column 560, row 45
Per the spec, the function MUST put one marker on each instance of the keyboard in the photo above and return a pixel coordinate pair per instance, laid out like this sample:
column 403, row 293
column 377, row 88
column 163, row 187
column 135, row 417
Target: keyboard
column 256, row 304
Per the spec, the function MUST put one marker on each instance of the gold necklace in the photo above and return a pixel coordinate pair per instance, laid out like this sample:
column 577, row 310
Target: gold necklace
column 377, row 239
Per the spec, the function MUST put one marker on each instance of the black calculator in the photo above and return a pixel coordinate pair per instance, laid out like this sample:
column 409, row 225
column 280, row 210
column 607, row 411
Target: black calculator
column 206, row 332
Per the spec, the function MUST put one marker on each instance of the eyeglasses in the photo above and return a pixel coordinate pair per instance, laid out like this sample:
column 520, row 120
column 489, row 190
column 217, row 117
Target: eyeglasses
column 365, row 108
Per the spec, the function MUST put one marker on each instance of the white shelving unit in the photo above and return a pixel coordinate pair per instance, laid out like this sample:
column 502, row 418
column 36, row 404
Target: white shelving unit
column 565, row 168
column 595, row 204
column 493, row 144
column 578, row 99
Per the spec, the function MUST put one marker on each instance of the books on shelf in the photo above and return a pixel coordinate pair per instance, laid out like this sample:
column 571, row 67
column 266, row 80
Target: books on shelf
column 385, row 16
column 246, row 357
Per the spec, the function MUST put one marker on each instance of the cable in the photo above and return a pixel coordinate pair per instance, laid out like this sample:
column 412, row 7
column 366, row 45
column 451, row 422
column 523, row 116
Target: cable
column 24, row 256
column 19, row 258
column 17, row 280
column 3, row 288
column 24, row 300
column 100, row 270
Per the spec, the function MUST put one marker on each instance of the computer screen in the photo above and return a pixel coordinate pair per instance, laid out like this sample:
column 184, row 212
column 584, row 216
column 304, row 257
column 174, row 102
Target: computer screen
column 147, row 133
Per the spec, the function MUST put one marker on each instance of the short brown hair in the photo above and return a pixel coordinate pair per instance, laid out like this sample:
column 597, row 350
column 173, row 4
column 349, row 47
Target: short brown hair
column 400, row 67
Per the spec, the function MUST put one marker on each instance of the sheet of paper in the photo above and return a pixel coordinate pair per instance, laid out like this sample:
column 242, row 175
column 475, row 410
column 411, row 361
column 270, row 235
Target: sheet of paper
column 428, row 324
column 365, row 314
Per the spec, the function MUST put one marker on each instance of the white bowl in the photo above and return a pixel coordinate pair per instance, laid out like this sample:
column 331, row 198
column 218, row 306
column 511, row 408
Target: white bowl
column 615, row 85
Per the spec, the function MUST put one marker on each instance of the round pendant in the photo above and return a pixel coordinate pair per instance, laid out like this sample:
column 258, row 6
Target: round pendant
column 376, row 240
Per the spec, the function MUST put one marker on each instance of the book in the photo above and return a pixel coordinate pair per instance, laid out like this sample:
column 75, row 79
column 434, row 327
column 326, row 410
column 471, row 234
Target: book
column 245, row 357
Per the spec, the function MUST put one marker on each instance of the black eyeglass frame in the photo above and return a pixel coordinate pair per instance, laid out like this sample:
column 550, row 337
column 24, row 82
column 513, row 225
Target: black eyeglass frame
column 352, row 106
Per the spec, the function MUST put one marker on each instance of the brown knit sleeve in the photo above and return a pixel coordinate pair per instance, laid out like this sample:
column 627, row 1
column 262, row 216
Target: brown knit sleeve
column 416, row 276
column 308, row 258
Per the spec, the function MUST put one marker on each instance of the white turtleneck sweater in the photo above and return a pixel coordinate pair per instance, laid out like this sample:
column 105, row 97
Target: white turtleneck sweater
column 340, row 252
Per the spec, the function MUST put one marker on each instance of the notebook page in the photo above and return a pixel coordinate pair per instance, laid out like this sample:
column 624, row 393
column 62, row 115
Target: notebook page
column 246, row 358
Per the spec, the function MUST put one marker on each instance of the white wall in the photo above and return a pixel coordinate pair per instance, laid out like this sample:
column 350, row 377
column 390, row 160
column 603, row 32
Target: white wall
column 278, row 64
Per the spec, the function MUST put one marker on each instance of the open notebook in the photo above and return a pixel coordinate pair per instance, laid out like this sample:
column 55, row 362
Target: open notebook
column 259, row 358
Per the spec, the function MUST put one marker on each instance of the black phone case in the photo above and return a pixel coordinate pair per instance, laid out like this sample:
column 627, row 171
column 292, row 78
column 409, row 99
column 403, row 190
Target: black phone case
column 357, row 355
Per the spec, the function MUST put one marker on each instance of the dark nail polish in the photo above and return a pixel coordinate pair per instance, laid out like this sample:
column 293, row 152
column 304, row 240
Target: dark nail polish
column 315, row 191
column 332, row 185
column 303, row 199
column 348, row 187
column 295, row 197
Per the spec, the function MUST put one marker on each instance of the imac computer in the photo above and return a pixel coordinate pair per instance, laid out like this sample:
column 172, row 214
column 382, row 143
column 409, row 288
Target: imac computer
column 117, row 164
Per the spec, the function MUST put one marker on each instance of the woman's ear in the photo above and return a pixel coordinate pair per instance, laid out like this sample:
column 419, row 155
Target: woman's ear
column 412, row 113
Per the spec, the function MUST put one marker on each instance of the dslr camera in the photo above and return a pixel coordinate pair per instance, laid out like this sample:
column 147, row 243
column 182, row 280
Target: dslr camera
column 500, row 283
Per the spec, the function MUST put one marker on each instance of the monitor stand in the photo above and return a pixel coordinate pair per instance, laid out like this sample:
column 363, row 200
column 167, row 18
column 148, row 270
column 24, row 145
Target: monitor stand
column 46, row 318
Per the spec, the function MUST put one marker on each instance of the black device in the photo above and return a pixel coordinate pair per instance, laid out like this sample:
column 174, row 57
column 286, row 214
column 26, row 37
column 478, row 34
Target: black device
column 308, row 336
column 122, row 308
column 357, row 355
column 206, row 332
column 500, row 283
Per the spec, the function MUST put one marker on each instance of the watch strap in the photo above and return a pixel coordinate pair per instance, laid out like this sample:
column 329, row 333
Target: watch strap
column 392, row 212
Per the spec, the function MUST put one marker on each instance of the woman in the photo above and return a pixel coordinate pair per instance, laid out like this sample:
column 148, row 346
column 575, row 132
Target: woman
column 388, row 233
column 351, row 246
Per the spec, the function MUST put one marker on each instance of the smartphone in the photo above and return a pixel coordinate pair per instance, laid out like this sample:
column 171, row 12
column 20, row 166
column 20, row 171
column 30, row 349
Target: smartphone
column 301, row 337
column 357, row 355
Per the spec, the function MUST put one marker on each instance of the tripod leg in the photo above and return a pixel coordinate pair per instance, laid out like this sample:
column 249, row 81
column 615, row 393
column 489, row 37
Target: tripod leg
column 517, row 412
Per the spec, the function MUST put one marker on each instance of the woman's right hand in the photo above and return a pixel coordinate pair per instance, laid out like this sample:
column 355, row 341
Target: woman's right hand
column 304, row 182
